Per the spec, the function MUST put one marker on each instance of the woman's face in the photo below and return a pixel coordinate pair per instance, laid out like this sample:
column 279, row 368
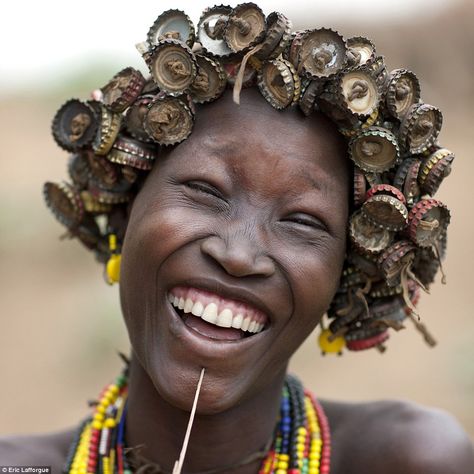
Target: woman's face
column 246, row 218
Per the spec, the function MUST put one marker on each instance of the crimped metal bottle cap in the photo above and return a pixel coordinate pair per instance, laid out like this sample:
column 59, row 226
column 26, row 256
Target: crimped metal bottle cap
column 232, row 67
column 368, row 342
column 102, row 172
column 397, row 257
column 278, row 83
column 173, row 66
column 358, row 92
column 427, row 222
column 65, row 203
column 172, row 24
column 360, row 51
column 131, row 152
column 403, row 90
column 434, row 169
column 92, row 205
column 107, row 197
column 277, row 38
column 78, row 169
column 420, row 127
column 406, row 178
column 211, row 29
column 386, row 189
column 210, row 81
column 109, row 128
column 309, row 94
column 426, row 264
column 374, row 150
column 168, row 121
column 245, row 27
column 75, row 125
column 380, row 71
column 359, row 187
column 367, row 237
column 322, row 53
column 135, row 117
column 386, row 212
column 122, row 90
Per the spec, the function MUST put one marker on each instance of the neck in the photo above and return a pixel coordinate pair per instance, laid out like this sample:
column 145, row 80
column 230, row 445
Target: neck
column 220, row 440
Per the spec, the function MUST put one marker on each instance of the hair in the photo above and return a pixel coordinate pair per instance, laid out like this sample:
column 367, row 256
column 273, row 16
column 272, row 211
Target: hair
column 396, row 231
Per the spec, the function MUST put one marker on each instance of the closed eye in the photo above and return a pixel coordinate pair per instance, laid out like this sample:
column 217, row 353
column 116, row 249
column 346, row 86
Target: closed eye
column 305, row 221
column 204, row 188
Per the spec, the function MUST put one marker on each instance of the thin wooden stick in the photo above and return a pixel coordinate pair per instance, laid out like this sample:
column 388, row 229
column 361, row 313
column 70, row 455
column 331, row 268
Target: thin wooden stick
column 178, row 465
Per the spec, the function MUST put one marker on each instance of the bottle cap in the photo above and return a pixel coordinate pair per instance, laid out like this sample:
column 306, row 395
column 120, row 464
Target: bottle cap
column 123, row 89
column 210, row 81
column 245, row 27
column 78, row 169
column 397, row 257
column 403, row 90
column 64, row 202
column 103, row 173
column 426, row 264
column 367, row 237
column 360, row 51
column 420, row 128
column 322, row 53
column 427, row 222
column 406, row 179
column 359, row 187
column 211, row 29
column 374, row 150
column 173, row 66
column 367, row 342
column 434, row 169
column 278, row 84
column 309, row 94
column 277, row 37
column 135, row 117
column 92, row 205
column 108, row 197
column 386, row 189
column 232, row 67
column 380, row 72
column 109, row 128
column 75, row 125
column 172, row 24
column 386, row 212
column 168, row 121
column 130, row 152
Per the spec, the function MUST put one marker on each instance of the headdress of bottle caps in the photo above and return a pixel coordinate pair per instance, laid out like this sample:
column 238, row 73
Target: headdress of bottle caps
column 397, row 230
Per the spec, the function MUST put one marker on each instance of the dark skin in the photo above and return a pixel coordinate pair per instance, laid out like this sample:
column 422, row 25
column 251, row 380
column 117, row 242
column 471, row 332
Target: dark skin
column 253, row 206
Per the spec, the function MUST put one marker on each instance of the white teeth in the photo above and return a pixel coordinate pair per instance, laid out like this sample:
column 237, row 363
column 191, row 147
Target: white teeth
column 210, row 313
column 237, row 321
column 225, row 318
column 197, row 309
column 188, row 305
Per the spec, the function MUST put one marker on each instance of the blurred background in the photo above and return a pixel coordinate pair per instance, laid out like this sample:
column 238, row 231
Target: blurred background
column 60, row 324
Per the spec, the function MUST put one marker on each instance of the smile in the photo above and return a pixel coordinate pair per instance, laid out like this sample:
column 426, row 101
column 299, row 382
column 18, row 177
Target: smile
column 214, row 316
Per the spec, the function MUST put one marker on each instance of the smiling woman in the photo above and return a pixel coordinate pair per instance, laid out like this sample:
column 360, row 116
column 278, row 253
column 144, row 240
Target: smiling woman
column 241, row 237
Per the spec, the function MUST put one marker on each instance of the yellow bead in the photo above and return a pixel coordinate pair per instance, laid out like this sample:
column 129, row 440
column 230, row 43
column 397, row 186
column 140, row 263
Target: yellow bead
column 97, row 425
column 99, row 416
column 282, row 465
column 114, row 389
column 313, row 470
column 109, row 423
column 302, row 431
column 284, row 457
column 300, row 439
column 300, row 446
column 314, row 463
column 333, row 346
column 113, row 269
column 280, row 471
column 100, row 409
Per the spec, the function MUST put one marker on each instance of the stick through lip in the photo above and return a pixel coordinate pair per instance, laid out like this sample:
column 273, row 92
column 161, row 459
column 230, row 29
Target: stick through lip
column 178, row 465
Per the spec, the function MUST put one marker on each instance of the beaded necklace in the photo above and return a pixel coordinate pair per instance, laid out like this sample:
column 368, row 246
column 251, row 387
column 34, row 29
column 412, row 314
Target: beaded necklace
column 301, row 444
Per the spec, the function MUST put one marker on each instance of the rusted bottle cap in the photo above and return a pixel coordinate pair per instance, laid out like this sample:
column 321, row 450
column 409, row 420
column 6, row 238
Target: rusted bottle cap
column 397, row 257
column 135, row 117
column 330, row 106
column 277, row 38
column 92, row 205
column 367, row 237
column 420, row 128
column 358, row 92
column 365, row 262
column 426, row 264
column 374, row 150
column 245, row 27
column 173, row 66
column 75, row 125
column 210, row 81
column 322, row 53
column 352, row 277
column 434, row 169
column 368, row 342
column 131, row 152
column 309, row 94
column 65, row 203
column 122, row 90
column 211, row 28
column 103, row 173
column 78, row 169
column 150, row 87
column 379, row 69
column 427, row 222
column 386, row 189
column 279, row 83
column 292, row 53
column 109, row 128
column 403, row 90
column 232, row 67
column 172, row 24
column 360, row 51
column 386, row 211
column 108, row 197
column 405, row 178
column 359, row 187
column 168, row 120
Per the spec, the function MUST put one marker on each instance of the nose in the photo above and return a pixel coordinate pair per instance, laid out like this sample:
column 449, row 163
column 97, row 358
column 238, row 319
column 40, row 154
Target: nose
column 238, row 255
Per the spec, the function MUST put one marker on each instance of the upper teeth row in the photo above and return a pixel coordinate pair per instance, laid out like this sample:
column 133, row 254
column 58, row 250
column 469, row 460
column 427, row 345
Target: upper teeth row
column 225, row 318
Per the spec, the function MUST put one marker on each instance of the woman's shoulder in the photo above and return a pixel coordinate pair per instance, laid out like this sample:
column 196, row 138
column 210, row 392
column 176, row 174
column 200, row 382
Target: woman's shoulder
column 47, row 449
column 397, row 436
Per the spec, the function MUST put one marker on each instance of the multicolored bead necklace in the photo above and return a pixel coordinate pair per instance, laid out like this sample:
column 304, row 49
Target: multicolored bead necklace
column 301, row 444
